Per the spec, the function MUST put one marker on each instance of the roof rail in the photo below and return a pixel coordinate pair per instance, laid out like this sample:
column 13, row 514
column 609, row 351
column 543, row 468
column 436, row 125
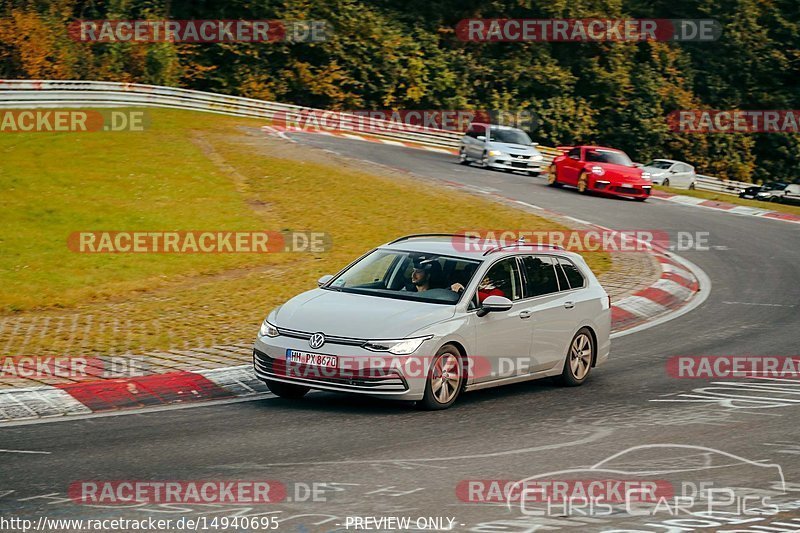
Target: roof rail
column 522, row 243
column 423, row 235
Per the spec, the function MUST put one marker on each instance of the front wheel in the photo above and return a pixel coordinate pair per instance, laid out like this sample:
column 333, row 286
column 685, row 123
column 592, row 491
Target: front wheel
column 286, row 390
column 580, row 356
column 666, row 183
column 445, row 380
column 583, row 183
column 692, row 186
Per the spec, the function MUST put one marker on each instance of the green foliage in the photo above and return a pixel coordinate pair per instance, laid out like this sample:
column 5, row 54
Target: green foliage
column 405, row 55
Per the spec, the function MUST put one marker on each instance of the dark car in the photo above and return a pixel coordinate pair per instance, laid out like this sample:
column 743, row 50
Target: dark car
column 771, row 191
column 750, row 192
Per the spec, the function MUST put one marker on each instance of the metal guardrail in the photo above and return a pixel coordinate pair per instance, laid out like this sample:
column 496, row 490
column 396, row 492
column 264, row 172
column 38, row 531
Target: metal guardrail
column 78, row 93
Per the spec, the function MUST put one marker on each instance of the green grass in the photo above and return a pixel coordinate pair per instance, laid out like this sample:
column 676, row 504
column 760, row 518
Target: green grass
column 193, row 171
column 729, row 198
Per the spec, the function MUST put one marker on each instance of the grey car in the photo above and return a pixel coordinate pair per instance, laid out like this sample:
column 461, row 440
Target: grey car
column 427, row 317
column 500, row 147
column 671, row 173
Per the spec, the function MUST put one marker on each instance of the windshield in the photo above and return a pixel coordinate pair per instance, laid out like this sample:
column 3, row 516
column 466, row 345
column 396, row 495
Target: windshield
column 510, row 137
column 608, row 156
column 407, row 275
column 659, row 164
column 776, row 186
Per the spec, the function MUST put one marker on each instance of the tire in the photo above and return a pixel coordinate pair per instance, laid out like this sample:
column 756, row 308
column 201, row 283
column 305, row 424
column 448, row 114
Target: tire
column 775, row 199
column 666, row 182
column 583, row 183
column 552, row 177
column 485, row 160
column 584, row 354
column 691, row 186
column 286, row 390
column 447, row 359
column 462, row 157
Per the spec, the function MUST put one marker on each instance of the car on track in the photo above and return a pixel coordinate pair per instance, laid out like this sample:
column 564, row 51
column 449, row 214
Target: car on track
column 599, row 169
column 750, row 192
column 501, row 148
column 778, row 191
column 671, row 173
column 490, row 315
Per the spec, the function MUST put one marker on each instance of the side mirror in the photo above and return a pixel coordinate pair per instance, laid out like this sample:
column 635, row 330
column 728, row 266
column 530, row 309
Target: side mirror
column 494, row 303
column 481, row 137
column 324, row 279
column 673, row 171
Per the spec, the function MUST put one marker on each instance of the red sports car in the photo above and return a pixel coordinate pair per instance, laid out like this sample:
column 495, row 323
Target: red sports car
column 599, row 169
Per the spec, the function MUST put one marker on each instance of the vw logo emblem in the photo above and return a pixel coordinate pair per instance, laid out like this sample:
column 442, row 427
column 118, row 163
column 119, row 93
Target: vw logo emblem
column 316, row 340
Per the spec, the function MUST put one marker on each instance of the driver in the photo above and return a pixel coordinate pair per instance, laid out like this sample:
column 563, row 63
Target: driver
column 426, row 275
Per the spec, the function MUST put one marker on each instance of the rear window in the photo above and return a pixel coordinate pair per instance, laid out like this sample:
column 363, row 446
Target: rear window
column 574, row 276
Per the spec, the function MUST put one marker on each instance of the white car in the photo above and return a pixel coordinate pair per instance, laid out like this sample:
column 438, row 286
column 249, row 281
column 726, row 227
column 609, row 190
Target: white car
column 670, row 173
column 501, row 148
column 427, row 317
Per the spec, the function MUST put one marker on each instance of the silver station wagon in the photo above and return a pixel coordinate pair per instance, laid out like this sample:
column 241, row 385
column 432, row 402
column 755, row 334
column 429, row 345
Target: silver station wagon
column 427, row 317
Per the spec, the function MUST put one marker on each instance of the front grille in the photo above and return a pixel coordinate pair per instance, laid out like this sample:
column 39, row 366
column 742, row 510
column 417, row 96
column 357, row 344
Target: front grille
column 628, row 190
column 329, row 339
column 520, row 156
column 267, row 367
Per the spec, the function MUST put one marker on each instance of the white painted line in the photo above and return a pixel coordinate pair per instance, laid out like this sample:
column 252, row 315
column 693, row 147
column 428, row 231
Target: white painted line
column 672, row 269
column 440, row 150
column 351, row 136
column 393, row 143
column 24, row 451
column 760, row 304
column 690, row 200
column 526, row 204
column 745, row 210
column 640, row 306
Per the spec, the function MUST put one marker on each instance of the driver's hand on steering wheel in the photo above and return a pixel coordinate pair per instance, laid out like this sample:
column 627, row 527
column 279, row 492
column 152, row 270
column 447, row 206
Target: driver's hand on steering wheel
column 457, row 287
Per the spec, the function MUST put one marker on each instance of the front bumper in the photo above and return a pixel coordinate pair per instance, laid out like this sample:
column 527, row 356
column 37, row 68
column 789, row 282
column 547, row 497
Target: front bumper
column 634, row 191
column 366, row 372
column 505, row 162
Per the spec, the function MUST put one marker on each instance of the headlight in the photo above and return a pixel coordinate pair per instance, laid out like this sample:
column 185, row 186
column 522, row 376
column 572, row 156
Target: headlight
column 598, row 170
column 397, row 347
column 536, row 158
column 495, row 153
column 268, row 330
column 646, row 175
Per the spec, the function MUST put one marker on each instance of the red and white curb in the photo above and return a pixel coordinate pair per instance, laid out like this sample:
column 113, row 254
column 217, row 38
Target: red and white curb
column 279, row 131
column 143, row 392
column 725, row 207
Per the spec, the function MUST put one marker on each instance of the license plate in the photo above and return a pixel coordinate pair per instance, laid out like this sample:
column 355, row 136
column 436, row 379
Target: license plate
column 627, row 185
column 313, row 359
column 519, row 164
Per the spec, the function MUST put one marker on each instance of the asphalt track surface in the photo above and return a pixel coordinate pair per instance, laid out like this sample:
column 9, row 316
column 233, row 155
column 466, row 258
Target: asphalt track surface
column 630, row 421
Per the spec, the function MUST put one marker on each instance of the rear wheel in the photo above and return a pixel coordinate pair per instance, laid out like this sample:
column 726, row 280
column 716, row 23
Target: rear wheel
column 552, row 177
column 580, row 355
column 286, row 390
column 691, row 186
column 462, row 157
column 445, row 380
column 583, row 183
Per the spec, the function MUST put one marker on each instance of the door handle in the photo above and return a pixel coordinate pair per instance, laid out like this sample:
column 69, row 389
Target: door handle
column 524, row 314
column 569, row 305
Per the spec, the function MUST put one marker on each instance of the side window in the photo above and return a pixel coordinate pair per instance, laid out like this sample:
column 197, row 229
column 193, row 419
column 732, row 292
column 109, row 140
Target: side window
column 680, row 167
column 575, row 153
column 502, row 279
column 574, row 275
column 540, row 276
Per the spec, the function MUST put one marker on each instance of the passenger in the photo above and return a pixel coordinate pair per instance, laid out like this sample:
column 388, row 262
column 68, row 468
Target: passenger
column 486, row 288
